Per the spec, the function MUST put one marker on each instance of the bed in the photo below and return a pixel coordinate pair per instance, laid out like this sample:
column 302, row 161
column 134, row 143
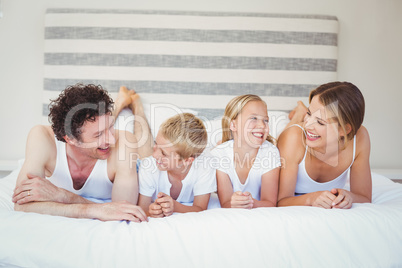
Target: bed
column 197, row 61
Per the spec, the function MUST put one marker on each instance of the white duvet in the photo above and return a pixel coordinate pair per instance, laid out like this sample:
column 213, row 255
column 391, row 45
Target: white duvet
column 368, row 235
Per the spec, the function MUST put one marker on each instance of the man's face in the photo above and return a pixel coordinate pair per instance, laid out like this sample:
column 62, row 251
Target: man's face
column 97, row 137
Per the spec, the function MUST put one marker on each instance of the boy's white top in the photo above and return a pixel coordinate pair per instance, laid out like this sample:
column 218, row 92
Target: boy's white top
column 200, row 180
column 267, row 159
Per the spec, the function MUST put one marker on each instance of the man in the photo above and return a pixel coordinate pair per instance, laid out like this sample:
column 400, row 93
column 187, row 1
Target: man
column 88, row 160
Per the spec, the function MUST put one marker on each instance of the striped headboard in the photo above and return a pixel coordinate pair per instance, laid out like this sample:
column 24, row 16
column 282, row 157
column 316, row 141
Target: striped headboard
column 195, row 60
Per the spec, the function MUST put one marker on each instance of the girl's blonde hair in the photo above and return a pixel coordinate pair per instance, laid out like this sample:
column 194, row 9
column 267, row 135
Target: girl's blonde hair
column 344, row 101
column 233, row 109
column 187, row 133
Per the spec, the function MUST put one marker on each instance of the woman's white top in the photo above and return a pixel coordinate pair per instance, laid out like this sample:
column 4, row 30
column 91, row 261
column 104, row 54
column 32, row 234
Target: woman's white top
column 267, row 159
column 305, row 184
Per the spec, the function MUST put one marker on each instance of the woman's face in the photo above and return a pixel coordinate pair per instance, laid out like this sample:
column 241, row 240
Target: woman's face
column 251, row 125
column 322, row 128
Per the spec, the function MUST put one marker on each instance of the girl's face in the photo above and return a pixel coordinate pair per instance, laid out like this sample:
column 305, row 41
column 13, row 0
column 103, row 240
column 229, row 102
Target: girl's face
column 251, row 125
column 322, row 129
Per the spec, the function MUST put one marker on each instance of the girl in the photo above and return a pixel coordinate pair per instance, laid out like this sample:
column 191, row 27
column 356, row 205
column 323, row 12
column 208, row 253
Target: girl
column 319, row 153
column 248, row 167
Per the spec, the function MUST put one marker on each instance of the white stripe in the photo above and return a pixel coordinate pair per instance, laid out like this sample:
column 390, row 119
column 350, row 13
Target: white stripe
column 191, row 22
column 190, row 48
column 199, row 101
column 187, row 75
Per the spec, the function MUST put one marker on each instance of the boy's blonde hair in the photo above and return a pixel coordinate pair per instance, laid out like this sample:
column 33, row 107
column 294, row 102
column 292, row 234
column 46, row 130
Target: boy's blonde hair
column 187, row 132
column 233, row 109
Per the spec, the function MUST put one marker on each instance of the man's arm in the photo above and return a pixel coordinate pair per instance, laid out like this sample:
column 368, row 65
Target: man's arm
column 40, row 160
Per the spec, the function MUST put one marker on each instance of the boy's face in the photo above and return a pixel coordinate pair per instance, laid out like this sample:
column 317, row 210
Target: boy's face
column 165, row 154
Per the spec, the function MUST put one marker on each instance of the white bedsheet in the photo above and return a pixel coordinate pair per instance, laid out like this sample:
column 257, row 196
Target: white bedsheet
column 368, row 235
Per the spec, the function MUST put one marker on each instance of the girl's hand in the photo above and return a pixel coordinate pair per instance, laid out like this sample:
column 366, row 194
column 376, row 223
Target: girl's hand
column 155, row 211
column 323, row 199
column 166, row 202
column 242, row 200
column 343, row 198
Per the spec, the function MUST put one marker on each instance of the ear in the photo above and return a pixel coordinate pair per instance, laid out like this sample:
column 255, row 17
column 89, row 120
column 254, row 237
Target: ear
column 69, row 140
column 232, row 125
column 188, row 161
column 348, row 129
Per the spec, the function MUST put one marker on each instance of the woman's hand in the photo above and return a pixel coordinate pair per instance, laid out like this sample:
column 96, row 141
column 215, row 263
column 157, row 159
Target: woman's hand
column 242, row 200
column 343, row 199
column 323, row 199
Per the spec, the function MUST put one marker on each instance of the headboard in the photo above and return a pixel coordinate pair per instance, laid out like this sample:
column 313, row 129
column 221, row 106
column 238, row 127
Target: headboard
column 195, row 60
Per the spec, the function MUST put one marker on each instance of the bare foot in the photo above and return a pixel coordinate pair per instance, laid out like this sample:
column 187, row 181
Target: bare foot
column 299, row 112
column 123, row 98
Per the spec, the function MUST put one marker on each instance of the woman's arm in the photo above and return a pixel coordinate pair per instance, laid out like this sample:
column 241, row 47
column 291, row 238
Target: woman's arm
column 292, row 149
column 225, row 189
column 360, row 175
column 269, row 189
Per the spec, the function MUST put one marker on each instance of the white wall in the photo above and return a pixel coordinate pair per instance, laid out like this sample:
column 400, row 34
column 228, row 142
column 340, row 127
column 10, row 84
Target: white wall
column 370, row 56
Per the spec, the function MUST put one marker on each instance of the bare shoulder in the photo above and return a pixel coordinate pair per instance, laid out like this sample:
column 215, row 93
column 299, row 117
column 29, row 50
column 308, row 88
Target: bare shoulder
column 291, row 143
column 42, row 135
column 362, row 140
column 291, row 136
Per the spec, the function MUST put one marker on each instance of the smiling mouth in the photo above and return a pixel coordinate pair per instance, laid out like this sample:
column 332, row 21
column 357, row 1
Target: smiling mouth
column 104, row 149
column 259, row 135
column 311, row 136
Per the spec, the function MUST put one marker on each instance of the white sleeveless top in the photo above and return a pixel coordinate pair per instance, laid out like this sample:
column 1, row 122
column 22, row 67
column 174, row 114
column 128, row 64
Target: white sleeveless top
column 305, row 184
column 97, row 188
column 267, row 159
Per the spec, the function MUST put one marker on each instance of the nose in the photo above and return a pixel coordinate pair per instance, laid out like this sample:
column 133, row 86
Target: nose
column 110, row 139
column 155, row 153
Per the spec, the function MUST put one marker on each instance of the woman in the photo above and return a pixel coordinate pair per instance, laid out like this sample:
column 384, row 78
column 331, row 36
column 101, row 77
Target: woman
column 321, row 153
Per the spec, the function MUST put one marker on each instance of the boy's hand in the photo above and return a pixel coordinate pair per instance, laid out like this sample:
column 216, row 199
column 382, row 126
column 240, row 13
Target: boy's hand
column 155, row 211
column 166, row 202
column 242, row 200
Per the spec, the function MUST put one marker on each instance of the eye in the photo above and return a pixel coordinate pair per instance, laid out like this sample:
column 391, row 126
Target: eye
column 253, row 118
column 266, row 121
column 320, row 122
column 308, row 113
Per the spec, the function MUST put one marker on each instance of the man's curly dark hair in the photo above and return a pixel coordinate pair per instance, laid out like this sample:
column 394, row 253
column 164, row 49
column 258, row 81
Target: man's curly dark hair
column 75, row 105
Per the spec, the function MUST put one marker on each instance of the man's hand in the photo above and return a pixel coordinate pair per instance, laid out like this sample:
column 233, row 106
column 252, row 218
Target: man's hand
column 166, row 202
column 117, row 211
column 242, row 200
column 36, row 188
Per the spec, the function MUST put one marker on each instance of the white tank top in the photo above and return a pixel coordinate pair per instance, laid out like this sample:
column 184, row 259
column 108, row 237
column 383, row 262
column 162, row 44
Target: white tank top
column 305, row 184
column 97, row 188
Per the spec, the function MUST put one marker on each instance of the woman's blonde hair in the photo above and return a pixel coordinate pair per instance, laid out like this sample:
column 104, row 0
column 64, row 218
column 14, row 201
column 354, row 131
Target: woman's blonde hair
column 346, row 102
column 187, row 133
column 233, row 109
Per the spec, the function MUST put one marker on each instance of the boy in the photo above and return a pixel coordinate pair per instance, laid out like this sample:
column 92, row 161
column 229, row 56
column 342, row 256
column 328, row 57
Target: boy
column 176, row 178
